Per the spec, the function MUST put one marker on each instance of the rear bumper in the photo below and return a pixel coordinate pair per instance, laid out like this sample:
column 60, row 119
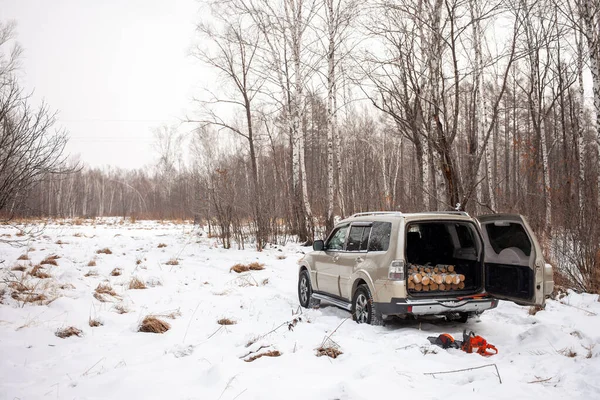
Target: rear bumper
column 436, row 306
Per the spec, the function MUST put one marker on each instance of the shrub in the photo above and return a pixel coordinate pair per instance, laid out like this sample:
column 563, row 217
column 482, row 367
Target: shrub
column 105, row 250
column 226, row 321
column 50, row 260
column 92, row 263
column 24, row 257
column 38, row 272
column 94, row 322
column 173, row 261
column 116, row 272
column 255, row 266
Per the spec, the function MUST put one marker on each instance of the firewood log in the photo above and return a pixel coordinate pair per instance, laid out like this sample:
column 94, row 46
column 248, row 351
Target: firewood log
column 427, row 270
column 442, row 286
column 418, row 287
column 462, row 277
column 425, row 281
column 456, row 279
column 448, row 279
column 450, row 268
column 433, row 286
column 426, row 288
column 454, row 286
column 417, row 278
column 411, row 285
column 438, row 279
column 436, row 270
column 461, row 285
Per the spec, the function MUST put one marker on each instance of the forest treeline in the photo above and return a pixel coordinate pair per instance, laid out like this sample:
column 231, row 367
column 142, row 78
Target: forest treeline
column 324, row 108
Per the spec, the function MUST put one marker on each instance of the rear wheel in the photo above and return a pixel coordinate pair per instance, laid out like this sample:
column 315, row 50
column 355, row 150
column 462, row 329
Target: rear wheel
column 305, row 291
column 364, row 310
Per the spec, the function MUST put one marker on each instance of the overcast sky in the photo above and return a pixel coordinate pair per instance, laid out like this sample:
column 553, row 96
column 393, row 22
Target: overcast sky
column 114, row 69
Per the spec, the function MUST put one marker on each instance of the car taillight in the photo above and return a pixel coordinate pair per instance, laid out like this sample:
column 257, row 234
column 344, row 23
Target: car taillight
column 396, row 270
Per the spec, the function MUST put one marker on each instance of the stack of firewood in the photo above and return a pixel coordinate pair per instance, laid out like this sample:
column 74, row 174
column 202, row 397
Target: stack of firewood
column 441, row 277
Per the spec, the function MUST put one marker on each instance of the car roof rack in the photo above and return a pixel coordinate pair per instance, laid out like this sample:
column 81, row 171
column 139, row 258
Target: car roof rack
column 466, row 214
column 362, row 214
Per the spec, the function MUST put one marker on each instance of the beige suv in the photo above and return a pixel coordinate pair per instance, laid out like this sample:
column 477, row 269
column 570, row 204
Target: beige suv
column 382, row 264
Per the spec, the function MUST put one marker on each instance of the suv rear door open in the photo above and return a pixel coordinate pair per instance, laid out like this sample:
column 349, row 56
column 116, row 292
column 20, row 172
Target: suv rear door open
column 514, row 266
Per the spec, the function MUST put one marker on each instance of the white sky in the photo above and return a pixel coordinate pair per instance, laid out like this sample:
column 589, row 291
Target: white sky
column 114, row 69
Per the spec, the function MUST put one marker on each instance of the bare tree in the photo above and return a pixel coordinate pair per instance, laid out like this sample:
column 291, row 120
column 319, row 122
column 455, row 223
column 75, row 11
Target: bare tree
column 30, row 145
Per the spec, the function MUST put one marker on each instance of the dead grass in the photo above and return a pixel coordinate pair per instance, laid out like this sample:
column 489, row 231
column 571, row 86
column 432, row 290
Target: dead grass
column 534, row 310
column 92, row 263
column 68, row 332
column 24, row 257
column 94, row 323
column 568, row 352
column 151, row 324
column 91, row 273
column 39, row 272
column 61, row 242
column 116, row 272
column 121, row 308
column 239, row 268
column 256, row 266
column 253, row 266
column 161, row 245
column 136, row 283
column 329, row 352
column 18, row 268
column 105, row 250
column 103, row 291
column 138, row 261
column 271, row 353
column 226, row 321
column 50, row 260
column 173, row 261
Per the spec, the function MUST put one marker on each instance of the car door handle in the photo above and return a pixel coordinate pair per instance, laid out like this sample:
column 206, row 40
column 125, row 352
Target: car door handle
column 359, row 259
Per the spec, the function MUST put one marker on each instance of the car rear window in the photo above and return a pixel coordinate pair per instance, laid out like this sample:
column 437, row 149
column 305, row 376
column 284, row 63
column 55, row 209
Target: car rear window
column 507, row 235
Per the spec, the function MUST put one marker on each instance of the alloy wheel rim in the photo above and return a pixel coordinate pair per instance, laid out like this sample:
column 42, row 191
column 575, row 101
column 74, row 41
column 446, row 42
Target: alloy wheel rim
column 362, row 310
column 303, row 290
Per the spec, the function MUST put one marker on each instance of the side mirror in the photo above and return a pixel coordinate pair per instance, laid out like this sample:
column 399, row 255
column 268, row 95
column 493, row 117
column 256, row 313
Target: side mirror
column 318, row 245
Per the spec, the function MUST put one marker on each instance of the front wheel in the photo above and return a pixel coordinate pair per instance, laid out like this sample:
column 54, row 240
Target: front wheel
column 363, row 308
column 305, row 291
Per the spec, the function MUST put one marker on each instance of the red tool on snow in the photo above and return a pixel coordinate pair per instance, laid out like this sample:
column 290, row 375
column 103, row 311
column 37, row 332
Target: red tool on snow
column 471, row 343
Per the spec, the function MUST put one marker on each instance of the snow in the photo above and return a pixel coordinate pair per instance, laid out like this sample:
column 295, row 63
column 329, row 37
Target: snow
column 552, row 354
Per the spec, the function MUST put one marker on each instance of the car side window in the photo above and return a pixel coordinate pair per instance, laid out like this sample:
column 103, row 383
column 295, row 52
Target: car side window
column 358, row 238
column 337, row 240
column 380, row 236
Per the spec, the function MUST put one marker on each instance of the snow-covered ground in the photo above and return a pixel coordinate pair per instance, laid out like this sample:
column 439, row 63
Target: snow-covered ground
column 552, row 354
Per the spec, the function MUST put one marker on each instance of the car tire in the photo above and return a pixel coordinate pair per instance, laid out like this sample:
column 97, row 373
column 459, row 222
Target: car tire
column 364, row 310
column 305, row 291
column 463, row 317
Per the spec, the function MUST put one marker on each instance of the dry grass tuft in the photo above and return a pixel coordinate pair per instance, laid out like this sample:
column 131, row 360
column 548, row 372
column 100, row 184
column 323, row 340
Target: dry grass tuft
column 161, row 245
column 18, row 268
column 136, row 283
column 60, row 242
column 329, row 352
column 239, row 268
column 105, row 250
column 116, row 272
column 121, row 308
column 68, row 332
column 271, row 353
column 20, row 234
column 105, row 288
column 226, row 321
column 173, row 261
column 151, row 324
column 38, row 272
column 50, row 260
column 94, row 323
column 568, row 352
column 281, row 257
column 256, row 266
column 23, row 257
column 138, row 261
column 92, row 263
column 91, row 273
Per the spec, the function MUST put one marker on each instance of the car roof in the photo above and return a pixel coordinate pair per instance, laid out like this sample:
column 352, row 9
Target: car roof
column 390, row 216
